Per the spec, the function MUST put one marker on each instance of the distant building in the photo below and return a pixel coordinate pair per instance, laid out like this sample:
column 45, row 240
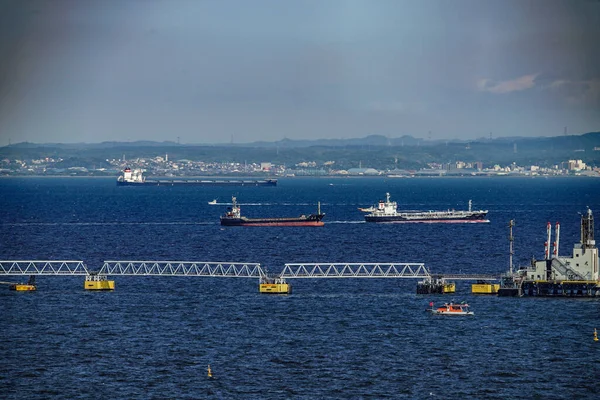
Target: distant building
column 363, row 171
column 576, row 165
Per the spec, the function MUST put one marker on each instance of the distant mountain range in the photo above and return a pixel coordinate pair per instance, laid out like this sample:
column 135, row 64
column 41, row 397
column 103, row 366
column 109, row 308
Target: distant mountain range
column 371, row 140
column 375, row 151
column 571, row 141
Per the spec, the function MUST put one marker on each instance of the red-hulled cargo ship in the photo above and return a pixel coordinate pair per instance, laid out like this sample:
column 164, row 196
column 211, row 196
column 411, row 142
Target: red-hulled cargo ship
column 233, row 217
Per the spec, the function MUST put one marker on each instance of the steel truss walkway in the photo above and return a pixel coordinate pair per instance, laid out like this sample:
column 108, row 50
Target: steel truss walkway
column 22, row 267
column 355, row 270
column 232, row 269
column 182, row 268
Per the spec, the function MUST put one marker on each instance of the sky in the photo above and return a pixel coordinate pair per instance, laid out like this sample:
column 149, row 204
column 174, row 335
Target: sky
column 224, row 71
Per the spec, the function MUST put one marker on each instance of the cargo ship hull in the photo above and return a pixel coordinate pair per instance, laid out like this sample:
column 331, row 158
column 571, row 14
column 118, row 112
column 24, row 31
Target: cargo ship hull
column 198, row 182
column 233, row 217
column 136, row 177
column 311, row 220
column 408, row 218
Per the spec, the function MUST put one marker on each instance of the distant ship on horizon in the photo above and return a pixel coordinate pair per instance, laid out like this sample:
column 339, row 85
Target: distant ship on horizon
column 136, row 177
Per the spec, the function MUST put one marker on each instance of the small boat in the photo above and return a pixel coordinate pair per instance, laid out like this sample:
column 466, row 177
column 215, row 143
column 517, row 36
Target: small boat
column 451, row 309
column 213, row 202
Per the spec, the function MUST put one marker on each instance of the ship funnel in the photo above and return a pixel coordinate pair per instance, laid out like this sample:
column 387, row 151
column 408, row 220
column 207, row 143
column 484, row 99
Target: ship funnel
column 547, row 243
column 556, row 240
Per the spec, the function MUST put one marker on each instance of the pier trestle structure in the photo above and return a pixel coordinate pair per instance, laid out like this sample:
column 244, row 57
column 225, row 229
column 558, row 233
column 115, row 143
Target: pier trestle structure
column 355, row 270
column 444, row 283
column 217, row 269
column 183, row 268
column 98, row 279
column 43, row 267
column 233, row 270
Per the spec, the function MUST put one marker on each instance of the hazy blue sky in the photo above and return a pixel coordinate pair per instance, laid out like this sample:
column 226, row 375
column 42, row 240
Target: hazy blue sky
column 217, row 71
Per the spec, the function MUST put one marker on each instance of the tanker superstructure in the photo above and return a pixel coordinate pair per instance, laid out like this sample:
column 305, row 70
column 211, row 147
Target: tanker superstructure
column 136, row 177
column 555, row 275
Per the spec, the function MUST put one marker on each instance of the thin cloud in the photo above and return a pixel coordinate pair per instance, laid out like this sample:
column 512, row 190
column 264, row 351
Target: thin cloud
column 513, row 85
column 578, row 91
column 558, row 83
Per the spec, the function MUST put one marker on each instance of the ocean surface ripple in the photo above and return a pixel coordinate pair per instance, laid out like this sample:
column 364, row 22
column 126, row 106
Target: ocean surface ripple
column 153, row 337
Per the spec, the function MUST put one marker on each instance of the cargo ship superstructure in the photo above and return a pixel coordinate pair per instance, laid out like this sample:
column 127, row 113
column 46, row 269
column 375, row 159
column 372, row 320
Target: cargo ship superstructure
column 387, row 212
column 136, row 177
column 233, row 217
column 555, row 275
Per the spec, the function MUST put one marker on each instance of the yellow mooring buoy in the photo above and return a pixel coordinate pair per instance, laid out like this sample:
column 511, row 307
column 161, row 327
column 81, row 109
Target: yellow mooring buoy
column 209, row 371
column 595, row 335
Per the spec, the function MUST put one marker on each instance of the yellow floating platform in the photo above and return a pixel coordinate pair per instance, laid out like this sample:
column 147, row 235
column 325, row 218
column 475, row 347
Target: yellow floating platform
column 274, row 285
column 449, row 287
column 276, row 288
column 485, row 288
column 23, row 287
column 98, row 282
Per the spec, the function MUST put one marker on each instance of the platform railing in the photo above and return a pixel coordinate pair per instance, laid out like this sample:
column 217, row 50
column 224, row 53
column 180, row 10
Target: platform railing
column 467, row 277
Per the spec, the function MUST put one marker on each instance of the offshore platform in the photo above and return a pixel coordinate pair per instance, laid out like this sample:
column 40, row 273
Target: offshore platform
column 555, row 275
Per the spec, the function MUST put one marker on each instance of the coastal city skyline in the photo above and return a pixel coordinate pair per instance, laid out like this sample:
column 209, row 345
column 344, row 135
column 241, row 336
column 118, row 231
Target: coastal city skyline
column 238, row 72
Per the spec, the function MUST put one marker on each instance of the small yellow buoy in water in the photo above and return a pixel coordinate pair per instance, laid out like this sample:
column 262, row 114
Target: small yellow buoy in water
column 595, row 335
column 209, row 371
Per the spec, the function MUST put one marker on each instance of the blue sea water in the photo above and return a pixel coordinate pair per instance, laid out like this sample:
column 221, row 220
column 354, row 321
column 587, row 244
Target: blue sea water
column 153, row 337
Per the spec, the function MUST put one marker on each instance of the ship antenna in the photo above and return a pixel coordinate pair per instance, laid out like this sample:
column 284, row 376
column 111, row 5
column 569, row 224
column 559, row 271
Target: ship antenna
column 469, row 205
column 319, row 208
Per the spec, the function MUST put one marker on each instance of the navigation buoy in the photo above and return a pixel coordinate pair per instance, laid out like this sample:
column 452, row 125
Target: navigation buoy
column 209, row 371
column 595, row 335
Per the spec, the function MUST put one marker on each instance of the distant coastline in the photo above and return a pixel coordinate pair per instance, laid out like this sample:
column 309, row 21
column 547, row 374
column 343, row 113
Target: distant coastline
column 337, row 177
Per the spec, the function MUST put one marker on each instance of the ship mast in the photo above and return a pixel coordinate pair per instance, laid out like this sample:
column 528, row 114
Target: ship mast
column 511, row 239
column 587, row 230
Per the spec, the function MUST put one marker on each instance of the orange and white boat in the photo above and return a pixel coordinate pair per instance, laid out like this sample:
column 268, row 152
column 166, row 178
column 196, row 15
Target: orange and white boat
column 451, row 309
